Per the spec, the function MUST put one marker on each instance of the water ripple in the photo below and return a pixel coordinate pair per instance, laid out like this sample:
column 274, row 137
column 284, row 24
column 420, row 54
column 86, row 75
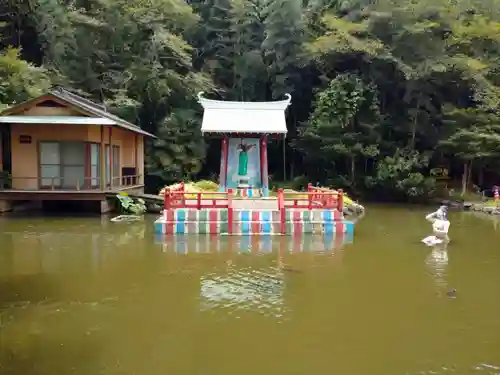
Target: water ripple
column 258, row 290
column 482, row 368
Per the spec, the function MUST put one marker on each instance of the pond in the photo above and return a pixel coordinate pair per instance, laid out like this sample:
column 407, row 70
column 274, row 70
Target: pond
column 87, row 296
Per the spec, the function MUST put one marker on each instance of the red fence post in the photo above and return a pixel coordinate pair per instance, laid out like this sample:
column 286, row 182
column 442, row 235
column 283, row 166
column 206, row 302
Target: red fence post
column 166, row 199
column 198, row 200
column 281, row 206
column 310, row 200
column 340, row 200
column 230, row 211
column 183, row 197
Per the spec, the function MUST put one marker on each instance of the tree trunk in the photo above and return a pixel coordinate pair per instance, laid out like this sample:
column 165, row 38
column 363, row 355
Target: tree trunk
column 464, row 178
column 466, row 175
column 353, row 169
column 414, row 125
column 469, row 176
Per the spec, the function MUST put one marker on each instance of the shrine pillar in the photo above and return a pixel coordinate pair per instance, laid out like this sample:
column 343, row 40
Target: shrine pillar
column 223, row 165
column 264, row 166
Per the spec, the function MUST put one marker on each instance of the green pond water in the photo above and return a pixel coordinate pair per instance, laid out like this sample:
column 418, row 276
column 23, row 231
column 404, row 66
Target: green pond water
column 87, row 296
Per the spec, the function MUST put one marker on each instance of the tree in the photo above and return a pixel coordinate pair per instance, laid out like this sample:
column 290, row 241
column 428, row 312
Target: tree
column 282, row 46
column 344, row 124
column 214, row 41
column 250, row 70
column 179, row 150
column 19, row 80
column 473, row 135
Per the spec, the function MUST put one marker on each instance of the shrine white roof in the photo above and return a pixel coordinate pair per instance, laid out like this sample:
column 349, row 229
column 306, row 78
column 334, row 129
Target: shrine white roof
column 244, row 117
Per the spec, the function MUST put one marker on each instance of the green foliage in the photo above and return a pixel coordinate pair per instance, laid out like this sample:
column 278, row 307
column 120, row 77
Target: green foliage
column 215, row 41
column 19, row 80
column 343, row 126
column 472, row 133
column 282, row 46
column 5, row 179
column 300, row 183
column 368, row 79
column 178, row 151
column 206, row 185
column 130, row 206
column 401, row 175
column 250, row 70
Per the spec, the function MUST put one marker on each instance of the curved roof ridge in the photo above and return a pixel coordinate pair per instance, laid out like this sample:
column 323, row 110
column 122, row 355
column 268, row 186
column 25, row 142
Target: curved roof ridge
column 242, row 105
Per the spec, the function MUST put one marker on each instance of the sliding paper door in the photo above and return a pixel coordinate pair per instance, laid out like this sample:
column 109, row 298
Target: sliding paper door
column 50, row 164
column 73, row 164
column 95, row 161
column 107, row 161
column 116, row 166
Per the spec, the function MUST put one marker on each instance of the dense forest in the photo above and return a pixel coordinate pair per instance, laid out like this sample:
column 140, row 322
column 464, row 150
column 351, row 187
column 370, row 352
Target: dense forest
column 382, row 92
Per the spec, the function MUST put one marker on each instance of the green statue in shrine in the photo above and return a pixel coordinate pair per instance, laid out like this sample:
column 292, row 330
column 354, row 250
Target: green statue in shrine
column 243, row 158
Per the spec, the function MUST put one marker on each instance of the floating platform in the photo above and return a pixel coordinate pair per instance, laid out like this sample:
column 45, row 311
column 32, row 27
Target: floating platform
column 312, row 212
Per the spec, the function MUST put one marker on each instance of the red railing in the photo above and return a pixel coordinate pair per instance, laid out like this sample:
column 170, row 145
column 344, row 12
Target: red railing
column 313, row 198
column 167, row 194
column 327, row 197
column 197, row 200
column 179, row 198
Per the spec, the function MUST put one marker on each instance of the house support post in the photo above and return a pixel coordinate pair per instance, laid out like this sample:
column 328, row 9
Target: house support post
column 111, row 172
column 137, row 178
column 102, row 161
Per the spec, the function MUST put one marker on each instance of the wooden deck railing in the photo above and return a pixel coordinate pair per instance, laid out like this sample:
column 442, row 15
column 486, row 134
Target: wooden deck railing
column 65, row 184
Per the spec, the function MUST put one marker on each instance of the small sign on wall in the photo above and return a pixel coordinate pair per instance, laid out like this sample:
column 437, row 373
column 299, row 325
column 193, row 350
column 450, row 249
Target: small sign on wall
column 25, row 139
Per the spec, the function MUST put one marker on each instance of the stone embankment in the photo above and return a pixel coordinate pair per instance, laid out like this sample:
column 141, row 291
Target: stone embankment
column 353, row 209
column 482, row 207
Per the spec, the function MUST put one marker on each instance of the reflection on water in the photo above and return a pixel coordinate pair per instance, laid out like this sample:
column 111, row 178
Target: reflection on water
column 86, row 296
column 60, row 251
column 182, row 244
column 437, row 262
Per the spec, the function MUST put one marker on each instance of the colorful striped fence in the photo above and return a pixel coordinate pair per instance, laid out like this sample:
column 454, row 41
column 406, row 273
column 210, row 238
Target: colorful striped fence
column 265, row 222
column 317, row 215
column 182, row 244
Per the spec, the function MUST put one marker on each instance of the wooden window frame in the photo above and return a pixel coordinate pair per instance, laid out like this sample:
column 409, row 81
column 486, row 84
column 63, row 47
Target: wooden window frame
column 87, row 166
